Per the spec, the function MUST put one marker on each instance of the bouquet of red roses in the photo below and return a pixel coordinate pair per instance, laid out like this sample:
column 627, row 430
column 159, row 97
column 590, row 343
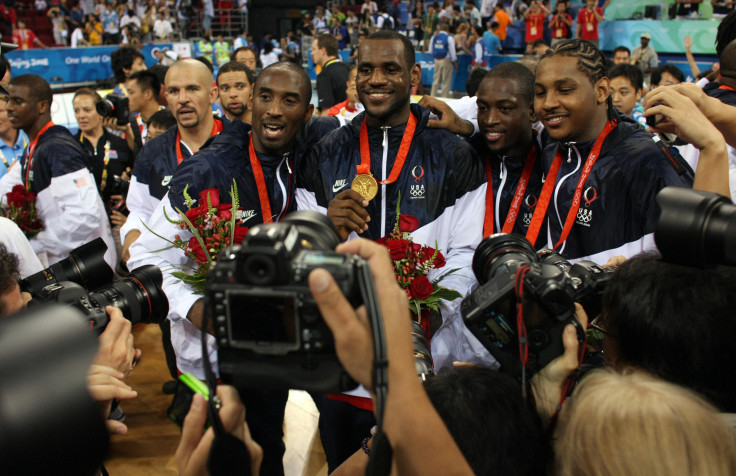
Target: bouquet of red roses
column 21, row 209
column 213, row 225
column 412, row 264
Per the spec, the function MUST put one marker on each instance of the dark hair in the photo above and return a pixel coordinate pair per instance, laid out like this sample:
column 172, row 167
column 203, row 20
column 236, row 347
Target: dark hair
column 147, row 81
column 666, row 68
column 517, row 72
column 267, row 47
column 88, row 92
column 328, row 42
column 163, row 119
column 629, row 71
column 244, row 48
column 292, row 67
column 123, row 58
column 728, row 61
column 676, row 322
column 409, row 56
column 235, row 66
column 9, row 273
column 539, row 42
column 726, row 32
column 474, row 79
column 5, row 65
column 160, row 71
column 494, row 25
column 38, row 88
column 591, row 61
column 206, row 62
column 497, row 431
column 621, row 48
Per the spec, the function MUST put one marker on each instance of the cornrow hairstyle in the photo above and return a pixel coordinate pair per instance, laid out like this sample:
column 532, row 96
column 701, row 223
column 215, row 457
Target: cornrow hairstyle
column 726, row 32
column 591, row 62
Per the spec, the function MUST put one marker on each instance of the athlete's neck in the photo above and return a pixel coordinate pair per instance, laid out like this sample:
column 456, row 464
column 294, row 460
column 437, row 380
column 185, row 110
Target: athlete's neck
column 195, row 137
column 245, row 117
column 727, row 81
column 398, row 118
column 151, row 108
column 10, row 136
column 37, row 126
column 597, row 123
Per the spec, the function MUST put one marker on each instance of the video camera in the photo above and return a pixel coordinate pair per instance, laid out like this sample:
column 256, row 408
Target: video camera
column 545, row 285
column 268, row 328
column 139, row 296
column 115, row 105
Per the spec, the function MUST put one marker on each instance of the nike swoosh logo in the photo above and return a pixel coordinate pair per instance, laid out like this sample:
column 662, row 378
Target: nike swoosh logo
column 336, row 188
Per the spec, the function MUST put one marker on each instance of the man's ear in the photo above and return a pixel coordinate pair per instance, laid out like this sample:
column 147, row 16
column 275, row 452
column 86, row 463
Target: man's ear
column 416, row 75
column 532, row 114
column 42, row 107
column 602, row 90
column 308, row 113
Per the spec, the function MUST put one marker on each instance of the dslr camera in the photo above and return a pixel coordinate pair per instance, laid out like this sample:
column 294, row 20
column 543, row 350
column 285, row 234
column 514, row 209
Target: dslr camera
column 543, row 285
column 139, row 296
column 115, row 106
column 269, row 331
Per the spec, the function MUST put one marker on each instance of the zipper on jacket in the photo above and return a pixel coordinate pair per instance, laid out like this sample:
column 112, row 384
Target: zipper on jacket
column 503, row 175
column 284, row 192
column 383, row 177
column 570, row 148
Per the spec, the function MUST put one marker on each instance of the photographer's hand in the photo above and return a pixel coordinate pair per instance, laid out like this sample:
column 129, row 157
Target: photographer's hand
column 347, row 211
column 194, row 446
column 105, row 384
column 548, row 383
column 116, row 344
column 409, row 416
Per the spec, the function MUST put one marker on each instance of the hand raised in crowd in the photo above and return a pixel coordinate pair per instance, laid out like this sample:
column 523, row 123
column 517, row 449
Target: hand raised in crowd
column 194, row 446
column 116, row 344
column 446, row 117
column 347, row 212
column 548, row 383
column 105, row 384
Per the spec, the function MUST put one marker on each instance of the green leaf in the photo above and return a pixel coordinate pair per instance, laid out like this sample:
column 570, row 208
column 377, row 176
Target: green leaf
column 446, row 294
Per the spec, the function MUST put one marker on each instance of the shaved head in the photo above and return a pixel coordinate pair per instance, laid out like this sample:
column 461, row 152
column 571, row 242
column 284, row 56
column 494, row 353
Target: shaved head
column 189, row 68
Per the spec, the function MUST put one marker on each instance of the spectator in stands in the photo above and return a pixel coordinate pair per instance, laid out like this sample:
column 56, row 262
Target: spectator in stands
column 721, row 8
column 93, row 29
column 234, row 83
column 560, row 24
column 502, row 18
column 634, row 423
column 290, row 50
column 55, row 168
column 159, row 123
column 367, row 23
column 588, row 20
column 338, row 30
column 268, row 55
column 209, row 15
column 539, row 48
column 645, row 58
column 76, row 15
column 125, row 61
column 687, row 9
column 222, row 51
column 430, row 20
column 58, row 26
column 12, row 141
column 534, row 17
column 626, row 86
column 332, row 80
column 162, row 29
column 25, row 38
column 666, row 75
column 247, row 56
column 491, row 42
column 621, row 55
column 111, row 26
column 78, row 38
column 442, row 49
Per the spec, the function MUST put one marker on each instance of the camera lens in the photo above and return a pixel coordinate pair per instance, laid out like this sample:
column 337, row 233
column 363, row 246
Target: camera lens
column 696, row 228
column 316, row 231
column 501, row 250
column 85, row 266
column 105, row 108
column 259, row 269
column 139, row 296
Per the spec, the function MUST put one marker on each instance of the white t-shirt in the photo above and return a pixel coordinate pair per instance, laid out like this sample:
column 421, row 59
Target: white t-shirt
column 162, row 29
column 77, row 37
column 16, row 242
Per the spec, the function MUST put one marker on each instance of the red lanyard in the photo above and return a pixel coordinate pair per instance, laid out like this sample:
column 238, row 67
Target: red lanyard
column 365, row 154
column 549, row 185
column 508, row 225
column 216, row 129
column 723, row 86
column 31, row 150
column 255, row 164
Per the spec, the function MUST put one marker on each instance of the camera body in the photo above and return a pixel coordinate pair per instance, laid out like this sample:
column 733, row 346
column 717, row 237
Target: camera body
column 551, row 286
column 269, row 331
column 115, row 106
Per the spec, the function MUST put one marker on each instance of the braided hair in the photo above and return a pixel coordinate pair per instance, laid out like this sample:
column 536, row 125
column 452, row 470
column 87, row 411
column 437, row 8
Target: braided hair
column 591, row 61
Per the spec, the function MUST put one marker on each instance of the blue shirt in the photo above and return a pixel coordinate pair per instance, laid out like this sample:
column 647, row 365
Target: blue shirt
column 9, row 154
column 491, row 44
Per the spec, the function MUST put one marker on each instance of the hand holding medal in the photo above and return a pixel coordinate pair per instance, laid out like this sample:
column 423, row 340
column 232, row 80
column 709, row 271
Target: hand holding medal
column 348, row 212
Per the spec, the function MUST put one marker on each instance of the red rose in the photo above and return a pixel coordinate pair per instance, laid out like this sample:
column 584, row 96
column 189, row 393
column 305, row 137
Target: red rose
column 196, row 212
column 16, row 199
column 382, row 241
column 439, row 260
column 224, row 211
column 214, row 195
column 240, row 232
column 197, row 250
column 407, row 223
column 421, row 288
column 397, row 248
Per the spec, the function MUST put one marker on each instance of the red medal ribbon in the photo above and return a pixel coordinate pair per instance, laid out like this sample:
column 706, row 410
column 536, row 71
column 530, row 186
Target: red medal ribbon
column 365, row 154
column 32, row 149
column 513, row 213
column 216, row 129
column 261, row 184
column 723, row 86
column 549, row 185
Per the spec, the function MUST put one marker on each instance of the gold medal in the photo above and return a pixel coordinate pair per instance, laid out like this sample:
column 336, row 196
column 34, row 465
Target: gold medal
column 365, row 185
